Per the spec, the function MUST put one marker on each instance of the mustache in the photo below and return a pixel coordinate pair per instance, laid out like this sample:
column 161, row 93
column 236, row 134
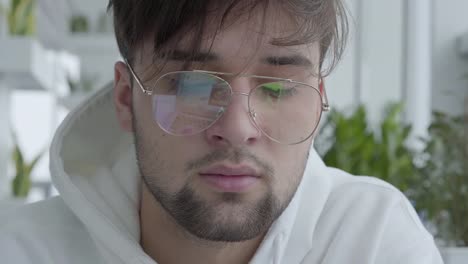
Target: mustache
column 234, row 155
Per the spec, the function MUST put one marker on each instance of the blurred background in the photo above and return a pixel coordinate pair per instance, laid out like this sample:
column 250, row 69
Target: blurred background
column 400, row 96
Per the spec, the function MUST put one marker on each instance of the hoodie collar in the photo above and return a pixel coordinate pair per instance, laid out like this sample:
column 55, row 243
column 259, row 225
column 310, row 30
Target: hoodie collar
column 289, row 239
column 93, row 166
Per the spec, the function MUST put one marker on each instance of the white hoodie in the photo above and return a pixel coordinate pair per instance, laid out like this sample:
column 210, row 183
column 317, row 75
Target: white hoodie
column 334, row 217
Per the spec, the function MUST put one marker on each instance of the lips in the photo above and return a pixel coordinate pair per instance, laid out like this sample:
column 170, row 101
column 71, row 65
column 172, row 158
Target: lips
column 225, row 178
column 231, row 171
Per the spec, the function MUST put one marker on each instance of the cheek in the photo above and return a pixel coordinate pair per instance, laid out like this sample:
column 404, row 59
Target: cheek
column 161, row 158
column 290, row 168
column 142, row 108
column 165, row 159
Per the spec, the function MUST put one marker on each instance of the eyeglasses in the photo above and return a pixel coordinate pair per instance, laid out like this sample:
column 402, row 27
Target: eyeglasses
column 185, row 103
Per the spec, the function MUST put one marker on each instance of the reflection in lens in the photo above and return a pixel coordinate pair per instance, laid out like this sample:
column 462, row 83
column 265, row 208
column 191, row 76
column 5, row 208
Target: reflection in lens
column 287, row 112
column 186, row 103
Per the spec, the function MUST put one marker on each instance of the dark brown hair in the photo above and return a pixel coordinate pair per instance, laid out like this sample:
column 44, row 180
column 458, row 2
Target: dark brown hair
column 324, row 21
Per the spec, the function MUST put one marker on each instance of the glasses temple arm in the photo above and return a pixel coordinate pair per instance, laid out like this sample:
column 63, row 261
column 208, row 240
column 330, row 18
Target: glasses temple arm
column 136, row 78
column 325, row 104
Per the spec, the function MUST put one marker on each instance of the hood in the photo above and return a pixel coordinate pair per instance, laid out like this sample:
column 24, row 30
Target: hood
column 93, row 166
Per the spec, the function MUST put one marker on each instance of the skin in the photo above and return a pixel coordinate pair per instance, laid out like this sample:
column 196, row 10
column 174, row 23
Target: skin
column 170, row 165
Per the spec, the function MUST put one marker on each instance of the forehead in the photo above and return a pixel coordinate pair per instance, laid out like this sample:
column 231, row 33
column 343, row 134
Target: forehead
column 242, row 37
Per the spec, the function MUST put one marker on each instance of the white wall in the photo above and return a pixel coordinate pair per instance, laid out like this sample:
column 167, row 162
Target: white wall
column 449, row 87
column 341, row 84
column 371, row 72
column 381, row 54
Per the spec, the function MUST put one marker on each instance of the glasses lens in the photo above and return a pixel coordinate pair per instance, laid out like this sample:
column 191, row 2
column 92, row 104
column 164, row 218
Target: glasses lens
column 186, row 103
column 286, row 112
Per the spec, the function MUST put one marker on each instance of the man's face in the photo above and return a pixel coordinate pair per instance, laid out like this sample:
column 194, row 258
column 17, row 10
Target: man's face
column 229, row 182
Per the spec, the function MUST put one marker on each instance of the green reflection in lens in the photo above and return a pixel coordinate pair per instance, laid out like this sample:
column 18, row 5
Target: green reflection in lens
column 276, row 87
column 277, row 90
column 272, row 91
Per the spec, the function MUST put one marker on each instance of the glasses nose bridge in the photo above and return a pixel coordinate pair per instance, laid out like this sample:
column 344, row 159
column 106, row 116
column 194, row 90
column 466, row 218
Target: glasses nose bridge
column 240, row 81
column 250, row 112
column 241, row 93
column 233, row 92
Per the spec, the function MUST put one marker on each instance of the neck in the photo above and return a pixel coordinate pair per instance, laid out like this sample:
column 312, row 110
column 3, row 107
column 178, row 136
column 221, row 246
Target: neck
column 166, row 242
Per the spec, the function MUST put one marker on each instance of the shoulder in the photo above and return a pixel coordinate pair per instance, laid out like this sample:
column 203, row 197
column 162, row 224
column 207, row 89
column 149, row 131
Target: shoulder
column 342, row 180
column 43, row 232
column 367, row 213
column 373, row 196
column 366, row 220
column 366, row 189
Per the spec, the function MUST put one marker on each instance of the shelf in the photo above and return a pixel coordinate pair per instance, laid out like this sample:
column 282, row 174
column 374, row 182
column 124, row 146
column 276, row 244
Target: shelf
column 26, row 64
column 97, row 53
column 85, row 43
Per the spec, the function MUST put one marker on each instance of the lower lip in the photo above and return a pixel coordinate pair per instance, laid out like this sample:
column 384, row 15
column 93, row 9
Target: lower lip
column 230, row 183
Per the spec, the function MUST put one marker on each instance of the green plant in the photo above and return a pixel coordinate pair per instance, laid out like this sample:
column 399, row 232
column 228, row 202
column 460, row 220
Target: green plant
column 361, row 150
column 79, row 23
column 21, row 17
column 21, row 183
column 442, row 193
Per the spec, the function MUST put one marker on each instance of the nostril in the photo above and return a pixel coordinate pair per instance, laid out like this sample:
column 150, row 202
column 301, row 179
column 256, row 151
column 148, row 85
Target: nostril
column 251, row 140
column 217, row 138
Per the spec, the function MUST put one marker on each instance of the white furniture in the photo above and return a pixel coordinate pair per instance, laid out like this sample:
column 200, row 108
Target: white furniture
column 98, row 54
column 26, row 64
column 46, row 61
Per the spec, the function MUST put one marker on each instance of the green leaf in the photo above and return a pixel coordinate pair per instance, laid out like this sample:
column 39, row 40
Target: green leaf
column 21, row 17
column 360, row 150
column 21, row 183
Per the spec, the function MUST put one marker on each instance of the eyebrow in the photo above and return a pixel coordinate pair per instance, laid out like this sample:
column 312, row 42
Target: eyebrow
column 296, row 60
column 181, row 55
column 203, row 56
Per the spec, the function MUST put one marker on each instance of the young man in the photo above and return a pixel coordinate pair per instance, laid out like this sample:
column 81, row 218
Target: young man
column 201, row 152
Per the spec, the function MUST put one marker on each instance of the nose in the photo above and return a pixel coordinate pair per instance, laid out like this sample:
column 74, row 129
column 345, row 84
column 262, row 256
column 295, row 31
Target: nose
column 235, row 127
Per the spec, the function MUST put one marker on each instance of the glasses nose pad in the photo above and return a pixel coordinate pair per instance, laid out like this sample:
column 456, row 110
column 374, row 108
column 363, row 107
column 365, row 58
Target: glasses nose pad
column 253, row 114
column 253, row 119
column 220, row 112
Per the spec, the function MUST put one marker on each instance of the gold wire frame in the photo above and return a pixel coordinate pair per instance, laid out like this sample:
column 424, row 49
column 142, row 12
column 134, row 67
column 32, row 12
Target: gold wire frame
column 324, row 99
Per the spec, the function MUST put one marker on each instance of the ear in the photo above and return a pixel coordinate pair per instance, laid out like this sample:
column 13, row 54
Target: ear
column 123, row 96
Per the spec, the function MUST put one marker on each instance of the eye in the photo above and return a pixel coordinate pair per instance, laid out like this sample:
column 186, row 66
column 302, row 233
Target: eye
column 278, row 90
